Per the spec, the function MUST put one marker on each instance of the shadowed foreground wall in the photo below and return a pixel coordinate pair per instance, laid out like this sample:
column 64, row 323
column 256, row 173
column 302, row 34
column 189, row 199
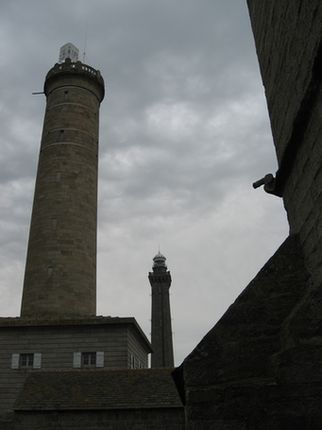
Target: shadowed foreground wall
column 260, row 366
column 242, row 374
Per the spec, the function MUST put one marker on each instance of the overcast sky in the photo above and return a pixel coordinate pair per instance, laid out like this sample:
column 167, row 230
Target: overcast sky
column 184, row 132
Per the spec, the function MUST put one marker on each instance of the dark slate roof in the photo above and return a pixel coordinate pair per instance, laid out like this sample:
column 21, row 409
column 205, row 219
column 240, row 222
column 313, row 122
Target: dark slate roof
column 11, row 323
column 98, row 390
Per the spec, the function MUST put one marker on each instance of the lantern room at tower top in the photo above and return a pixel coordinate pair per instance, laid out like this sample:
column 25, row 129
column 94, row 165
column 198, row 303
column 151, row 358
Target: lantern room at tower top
column 68, row 51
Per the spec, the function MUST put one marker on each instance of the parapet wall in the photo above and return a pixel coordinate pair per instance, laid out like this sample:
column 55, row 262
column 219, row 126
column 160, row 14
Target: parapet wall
column 71, row 70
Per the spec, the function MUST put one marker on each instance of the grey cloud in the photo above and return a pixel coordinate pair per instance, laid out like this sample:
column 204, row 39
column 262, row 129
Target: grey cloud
column 184, row 132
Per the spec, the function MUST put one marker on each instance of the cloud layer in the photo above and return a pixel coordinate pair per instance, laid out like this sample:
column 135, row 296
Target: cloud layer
column 184, row 132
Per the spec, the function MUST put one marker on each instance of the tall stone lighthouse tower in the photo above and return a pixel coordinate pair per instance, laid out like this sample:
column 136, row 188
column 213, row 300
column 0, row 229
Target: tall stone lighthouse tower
column 60, row 276
column 161, row 331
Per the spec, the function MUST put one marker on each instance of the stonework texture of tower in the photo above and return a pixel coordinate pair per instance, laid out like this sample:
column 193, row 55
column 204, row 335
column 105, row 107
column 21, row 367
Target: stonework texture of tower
column 60, row 276
column 161, row 331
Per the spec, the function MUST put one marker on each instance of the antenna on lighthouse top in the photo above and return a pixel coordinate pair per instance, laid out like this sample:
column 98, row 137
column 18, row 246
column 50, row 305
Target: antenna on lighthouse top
column 85, row 43
column 68, row 51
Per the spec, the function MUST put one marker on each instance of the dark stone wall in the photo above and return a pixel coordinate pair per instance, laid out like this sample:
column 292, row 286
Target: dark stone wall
column 260, row 366
column 287, row 37
column 288, row 40
column 247, row 373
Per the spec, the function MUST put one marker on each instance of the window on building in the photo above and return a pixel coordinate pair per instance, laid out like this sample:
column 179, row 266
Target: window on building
column 26, row 360
column 135, row 363
column 132, row 364
column 88, row 359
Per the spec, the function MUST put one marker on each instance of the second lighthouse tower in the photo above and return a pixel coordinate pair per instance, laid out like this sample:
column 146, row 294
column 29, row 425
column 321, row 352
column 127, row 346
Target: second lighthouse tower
column 161, row 331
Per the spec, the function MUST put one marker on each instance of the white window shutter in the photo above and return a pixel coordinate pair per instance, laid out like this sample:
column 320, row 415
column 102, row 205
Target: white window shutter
column 15, row 361
column 77, row 359
column 100, row 359
column 37, row 360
